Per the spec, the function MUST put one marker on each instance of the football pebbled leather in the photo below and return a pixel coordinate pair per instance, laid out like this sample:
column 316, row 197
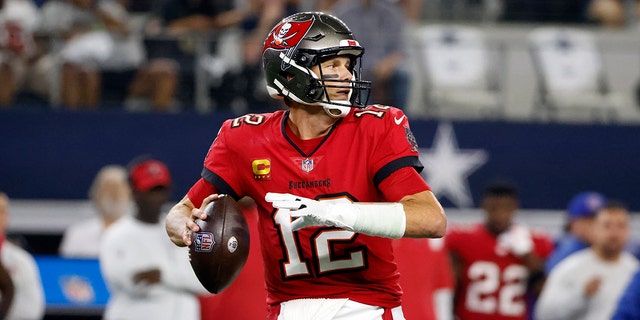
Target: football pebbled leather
column 219, row 251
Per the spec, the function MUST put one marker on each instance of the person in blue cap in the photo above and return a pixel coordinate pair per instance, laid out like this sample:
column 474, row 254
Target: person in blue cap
column 580, row 213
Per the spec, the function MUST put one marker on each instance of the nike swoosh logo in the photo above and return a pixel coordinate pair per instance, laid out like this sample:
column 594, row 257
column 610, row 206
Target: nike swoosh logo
column 399, row 121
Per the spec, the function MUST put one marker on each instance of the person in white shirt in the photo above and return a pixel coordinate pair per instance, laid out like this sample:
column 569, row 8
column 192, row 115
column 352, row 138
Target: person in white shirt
column 111, row 197
column 148, row 277
column 587, row 284
column 28, row 297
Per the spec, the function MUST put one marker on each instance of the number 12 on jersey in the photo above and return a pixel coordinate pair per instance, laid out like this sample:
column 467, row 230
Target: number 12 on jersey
column 296, row 262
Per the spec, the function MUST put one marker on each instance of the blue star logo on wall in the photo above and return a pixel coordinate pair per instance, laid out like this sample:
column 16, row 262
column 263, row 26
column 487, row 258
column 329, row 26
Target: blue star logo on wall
column 447, row 167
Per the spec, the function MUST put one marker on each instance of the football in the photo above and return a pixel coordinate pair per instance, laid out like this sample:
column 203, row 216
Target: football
column 220, row 249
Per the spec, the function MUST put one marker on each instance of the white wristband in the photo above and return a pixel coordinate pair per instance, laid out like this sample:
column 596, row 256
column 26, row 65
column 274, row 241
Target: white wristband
column 387, row 220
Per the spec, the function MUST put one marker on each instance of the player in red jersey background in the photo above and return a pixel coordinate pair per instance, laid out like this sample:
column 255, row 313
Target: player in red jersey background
column 426, row 278
column 498, row 263
column 334, row 181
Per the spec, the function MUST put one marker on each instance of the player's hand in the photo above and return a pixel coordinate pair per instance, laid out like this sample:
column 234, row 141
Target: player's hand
column 516, row 239
column 197, row 213
column 311, row 212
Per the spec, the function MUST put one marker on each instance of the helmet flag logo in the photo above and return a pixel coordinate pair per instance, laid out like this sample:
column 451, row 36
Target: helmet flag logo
column 287, row 34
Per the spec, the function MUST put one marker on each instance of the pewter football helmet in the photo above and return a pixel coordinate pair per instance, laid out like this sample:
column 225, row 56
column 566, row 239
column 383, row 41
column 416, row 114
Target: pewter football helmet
column 302, row 41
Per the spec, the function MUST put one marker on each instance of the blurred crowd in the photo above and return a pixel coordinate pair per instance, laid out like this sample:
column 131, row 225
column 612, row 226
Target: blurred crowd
column 173, row 55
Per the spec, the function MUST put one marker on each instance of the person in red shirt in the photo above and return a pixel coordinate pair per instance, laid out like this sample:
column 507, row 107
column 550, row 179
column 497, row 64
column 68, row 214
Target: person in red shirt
column 426, row 278
column 334, row 181
column 498, row 264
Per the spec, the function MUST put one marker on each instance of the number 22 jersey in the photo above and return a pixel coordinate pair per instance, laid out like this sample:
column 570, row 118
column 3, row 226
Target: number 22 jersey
column 258, row 153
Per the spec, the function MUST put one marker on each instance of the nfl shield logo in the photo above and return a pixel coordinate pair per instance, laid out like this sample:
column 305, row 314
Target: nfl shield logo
column 204, row 242
column 307, row 165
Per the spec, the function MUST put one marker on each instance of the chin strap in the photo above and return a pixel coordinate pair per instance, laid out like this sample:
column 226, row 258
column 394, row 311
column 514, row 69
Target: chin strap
column 381, row 219
column 336, row 111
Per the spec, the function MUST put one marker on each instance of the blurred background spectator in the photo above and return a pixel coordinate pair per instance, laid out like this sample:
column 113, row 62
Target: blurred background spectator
column 18, row 50
column 111, row 198
column 102, row 52
column 580, row 213
column 379, row 26
column 127, row 75
column 218, row 44
column 589, row 283
column 83, row 48
column 28, row 297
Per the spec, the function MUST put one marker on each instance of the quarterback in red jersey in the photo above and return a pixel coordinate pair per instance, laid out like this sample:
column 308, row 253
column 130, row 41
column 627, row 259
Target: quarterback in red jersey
column 334, row 181
column 497, row 262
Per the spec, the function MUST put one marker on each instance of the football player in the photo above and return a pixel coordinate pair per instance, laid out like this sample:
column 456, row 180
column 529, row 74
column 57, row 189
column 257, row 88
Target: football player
column 334, row 180
column 497, row 262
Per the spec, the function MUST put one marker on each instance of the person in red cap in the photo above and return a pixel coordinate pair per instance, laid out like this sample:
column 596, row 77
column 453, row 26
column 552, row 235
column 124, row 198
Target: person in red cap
column 147, row 275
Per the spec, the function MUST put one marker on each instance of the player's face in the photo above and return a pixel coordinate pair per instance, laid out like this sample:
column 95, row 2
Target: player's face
column 611, row 231
column 499, row 211
column 336, row 68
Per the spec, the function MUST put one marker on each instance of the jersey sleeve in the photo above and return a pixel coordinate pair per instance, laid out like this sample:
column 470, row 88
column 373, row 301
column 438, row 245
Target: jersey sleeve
column 402, row 182
column 395, row 145
column 219, row 168
column 200, row 190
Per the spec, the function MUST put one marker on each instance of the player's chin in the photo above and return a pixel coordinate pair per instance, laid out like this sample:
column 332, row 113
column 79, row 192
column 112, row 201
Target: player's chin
column 340, row 96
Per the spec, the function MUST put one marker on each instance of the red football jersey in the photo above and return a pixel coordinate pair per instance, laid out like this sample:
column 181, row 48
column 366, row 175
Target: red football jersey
column 493, row 282
column 257, row 153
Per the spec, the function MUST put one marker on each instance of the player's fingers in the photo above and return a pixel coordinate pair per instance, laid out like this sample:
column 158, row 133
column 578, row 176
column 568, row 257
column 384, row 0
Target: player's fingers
column 186, row 237
column 210, row 198
column 299, row 224
column 197, row 214
column 274, row 196
column 291, row 205
column 298, row 213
